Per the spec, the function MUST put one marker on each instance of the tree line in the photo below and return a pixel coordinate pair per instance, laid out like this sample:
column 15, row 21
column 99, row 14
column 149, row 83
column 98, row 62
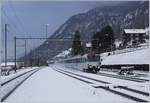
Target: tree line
column 101, row 41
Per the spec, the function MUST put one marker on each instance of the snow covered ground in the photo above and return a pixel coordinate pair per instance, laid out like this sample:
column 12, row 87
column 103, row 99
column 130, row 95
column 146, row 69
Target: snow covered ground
column 48, row 85
column 10, row 82
column 19, row 71
column 141, row 86
column 144, row 86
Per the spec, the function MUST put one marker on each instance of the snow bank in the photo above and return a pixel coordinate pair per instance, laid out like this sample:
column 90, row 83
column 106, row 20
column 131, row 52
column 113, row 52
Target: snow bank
column 136, row 57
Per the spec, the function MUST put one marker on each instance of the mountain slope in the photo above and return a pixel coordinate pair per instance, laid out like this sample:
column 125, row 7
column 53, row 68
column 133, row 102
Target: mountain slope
column 126, row 15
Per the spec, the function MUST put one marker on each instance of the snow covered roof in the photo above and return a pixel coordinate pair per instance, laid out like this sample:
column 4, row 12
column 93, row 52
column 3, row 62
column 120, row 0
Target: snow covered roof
column 88, row 44
column 117, row 43
column 63, row 53
column 135, row 31
column 77, row 56
column 8, row 63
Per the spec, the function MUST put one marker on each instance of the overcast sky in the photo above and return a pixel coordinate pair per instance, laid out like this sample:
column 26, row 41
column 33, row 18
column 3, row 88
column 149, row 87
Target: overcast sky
column 28, row 18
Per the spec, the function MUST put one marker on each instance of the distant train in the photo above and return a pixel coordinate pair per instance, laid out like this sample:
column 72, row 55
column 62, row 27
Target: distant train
column 86, row 63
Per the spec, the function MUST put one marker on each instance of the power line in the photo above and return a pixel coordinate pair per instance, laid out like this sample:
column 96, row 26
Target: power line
column 9, row 20
column 19, row 28
column 17, row 17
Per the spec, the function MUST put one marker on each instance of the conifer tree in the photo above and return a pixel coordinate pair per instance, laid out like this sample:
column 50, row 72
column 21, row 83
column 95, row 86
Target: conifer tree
column 76, row 46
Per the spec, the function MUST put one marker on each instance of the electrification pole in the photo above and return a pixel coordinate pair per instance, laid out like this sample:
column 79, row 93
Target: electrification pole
column 6, row 45
column 15, row 58
column 46, row 29
column 25, row 46
column 46, row 38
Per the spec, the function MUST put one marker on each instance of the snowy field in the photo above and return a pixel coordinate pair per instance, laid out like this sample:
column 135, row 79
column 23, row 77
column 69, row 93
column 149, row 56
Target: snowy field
column 48, row 85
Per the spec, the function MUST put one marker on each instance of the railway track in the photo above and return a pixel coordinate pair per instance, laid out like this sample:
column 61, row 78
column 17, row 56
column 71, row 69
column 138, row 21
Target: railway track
column 100, row 81
column 9, row 86
column 129, row 93
column 123, row 77
column 9, row 80
column 119, row 76
column 130, row 89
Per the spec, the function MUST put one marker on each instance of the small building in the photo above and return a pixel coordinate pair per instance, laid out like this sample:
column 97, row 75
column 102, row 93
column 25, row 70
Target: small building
column 117, row 43
column 5, row 69
column 88, row 47
column 11, row 65
column 134, row 36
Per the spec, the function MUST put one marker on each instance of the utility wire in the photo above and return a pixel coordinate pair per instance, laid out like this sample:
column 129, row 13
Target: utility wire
column 17, row 17
column 9, row 20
